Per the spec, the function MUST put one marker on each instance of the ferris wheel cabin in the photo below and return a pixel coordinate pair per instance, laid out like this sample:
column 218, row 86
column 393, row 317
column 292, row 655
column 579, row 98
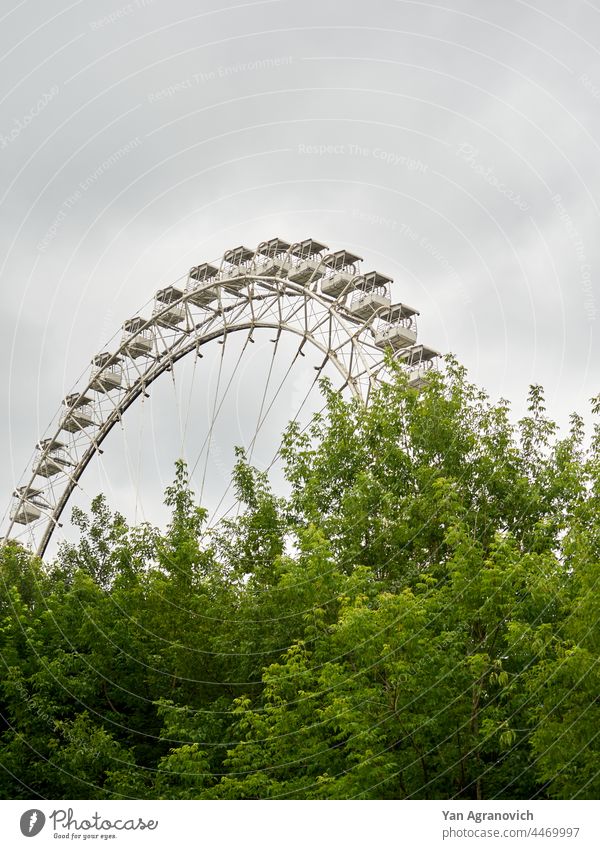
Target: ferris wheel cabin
column 420, row 361
column 236, row 265
column 397, row 327
column 107, row 372
column 371, row 295
column 200, row 290
column 168, row 310
column 310, row 260
column 79, row 413
column 341, row 272
column 272, row 258
column 30, row 506
column 137, row 340
column 52, row 458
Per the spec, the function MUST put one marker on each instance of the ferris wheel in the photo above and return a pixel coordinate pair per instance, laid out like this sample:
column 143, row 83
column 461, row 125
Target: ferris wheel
column 322, row 299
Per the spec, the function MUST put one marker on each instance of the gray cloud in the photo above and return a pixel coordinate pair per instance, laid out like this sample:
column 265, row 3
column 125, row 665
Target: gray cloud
column 454, row 148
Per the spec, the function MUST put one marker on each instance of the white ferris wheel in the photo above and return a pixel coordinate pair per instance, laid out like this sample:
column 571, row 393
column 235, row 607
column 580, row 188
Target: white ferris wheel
column 303, row 291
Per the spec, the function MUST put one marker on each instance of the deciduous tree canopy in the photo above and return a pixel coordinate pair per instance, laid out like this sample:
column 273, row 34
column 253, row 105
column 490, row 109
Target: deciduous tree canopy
column 417, row 618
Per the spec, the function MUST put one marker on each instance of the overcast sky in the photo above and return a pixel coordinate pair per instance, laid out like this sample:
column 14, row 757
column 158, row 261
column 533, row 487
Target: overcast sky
column 455, row 146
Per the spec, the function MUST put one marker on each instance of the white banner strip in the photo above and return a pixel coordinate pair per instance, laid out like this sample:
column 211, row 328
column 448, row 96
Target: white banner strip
column 298, row 825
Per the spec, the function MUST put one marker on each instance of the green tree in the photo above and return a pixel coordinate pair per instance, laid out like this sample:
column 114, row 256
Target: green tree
column 416, row 619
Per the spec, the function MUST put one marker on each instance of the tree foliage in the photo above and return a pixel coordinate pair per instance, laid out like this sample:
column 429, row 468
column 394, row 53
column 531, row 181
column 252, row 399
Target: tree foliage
column 418, row 618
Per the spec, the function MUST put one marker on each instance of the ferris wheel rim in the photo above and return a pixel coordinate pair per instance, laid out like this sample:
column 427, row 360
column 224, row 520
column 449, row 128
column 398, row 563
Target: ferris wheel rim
column 273, row 287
